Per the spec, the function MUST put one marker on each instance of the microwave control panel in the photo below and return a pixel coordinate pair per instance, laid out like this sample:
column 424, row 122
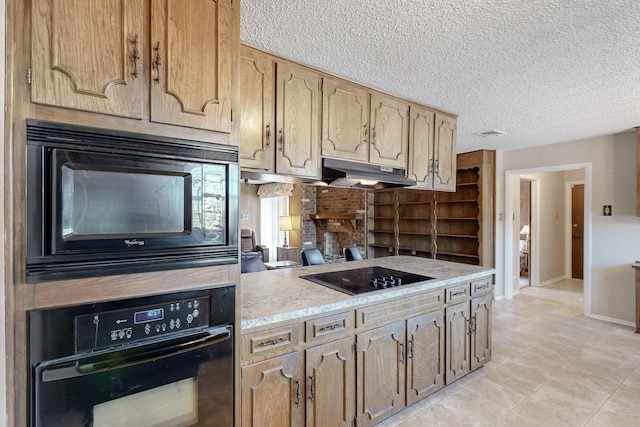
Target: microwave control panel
column 111, row 328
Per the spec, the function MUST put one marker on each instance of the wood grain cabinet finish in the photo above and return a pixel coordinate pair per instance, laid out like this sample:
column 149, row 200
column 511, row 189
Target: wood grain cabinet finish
column 298, row 112
column 425, row 355
column 330, row 376
column 432, row 149
column 389, row 131
column 192, row 62
column 345, row 120
column 83, row 58
column 257, row 110
column 468, row 332
column 273, row 392
column 481, row 331
column 380, row 367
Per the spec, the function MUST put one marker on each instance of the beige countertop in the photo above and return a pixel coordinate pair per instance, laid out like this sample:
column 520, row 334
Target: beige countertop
column 274, row 296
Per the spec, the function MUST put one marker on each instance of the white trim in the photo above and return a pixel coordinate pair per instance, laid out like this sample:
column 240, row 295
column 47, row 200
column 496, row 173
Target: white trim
column 613, row 320
column 508, row 235
column 552, row 281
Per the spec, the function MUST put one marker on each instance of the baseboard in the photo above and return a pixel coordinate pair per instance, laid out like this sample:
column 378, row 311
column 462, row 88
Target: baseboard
column 613, row 320
column 548, row 282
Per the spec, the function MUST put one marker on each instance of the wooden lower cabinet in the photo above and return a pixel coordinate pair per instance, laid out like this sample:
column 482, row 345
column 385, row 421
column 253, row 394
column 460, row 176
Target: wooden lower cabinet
column 380, row 373
column 468, row 336
column 330, row 384
column 425, row 358
column 273, row 392
column 481, row 331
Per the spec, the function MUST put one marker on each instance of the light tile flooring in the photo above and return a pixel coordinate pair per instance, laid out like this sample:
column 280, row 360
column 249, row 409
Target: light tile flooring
column 551, row 367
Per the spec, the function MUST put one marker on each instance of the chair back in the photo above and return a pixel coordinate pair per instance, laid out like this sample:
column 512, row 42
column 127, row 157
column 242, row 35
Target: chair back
column 311, row 256
column 253, row 264
column 352, row 253
column 247, row 240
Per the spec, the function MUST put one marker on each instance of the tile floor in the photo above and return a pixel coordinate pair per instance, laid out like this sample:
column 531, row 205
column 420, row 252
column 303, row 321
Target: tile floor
column 551, row 367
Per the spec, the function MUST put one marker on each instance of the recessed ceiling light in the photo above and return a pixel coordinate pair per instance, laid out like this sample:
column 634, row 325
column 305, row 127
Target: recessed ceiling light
column 490, row 133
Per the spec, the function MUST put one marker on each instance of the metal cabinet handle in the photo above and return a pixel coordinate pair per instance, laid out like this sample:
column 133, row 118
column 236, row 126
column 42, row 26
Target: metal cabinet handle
column 482, row 287
column 401, row 352
column 268, row 135
column 312, row 388
column 411, row 349
column 135, row 56
column 459, row 294
column 297, row 393
column 281, row 141
column 436, row 166
column 366, row 132
column 330, row 328
column 158, row 63
column 272, row 342
column 373, row 136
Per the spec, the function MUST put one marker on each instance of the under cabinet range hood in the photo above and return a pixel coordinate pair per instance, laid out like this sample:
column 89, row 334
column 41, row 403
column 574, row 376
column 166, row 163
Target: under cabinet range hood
column 343, row 173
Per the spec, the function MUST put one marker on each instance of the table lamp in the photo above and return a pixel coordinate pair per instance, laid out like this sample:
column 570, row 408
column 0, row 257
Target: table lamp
column 286, row 225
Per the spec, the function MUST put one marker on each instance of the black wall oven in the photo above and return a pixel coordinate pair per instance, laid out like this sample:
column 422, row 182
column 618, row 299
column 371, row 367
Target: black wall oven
column 102, row 202
column 152, row 361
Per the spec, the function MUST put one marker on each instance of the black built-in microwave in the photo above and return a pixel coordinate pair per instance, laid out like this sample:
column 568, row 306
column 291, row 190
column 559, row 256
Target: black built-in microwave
column 102, row 202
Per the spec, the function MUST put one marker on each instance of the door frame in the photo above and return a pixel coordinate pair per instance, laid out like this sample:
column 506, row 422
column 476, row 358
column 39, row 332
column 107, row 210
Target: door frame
column 534, row 232
column 510, row 251
column 568, row 226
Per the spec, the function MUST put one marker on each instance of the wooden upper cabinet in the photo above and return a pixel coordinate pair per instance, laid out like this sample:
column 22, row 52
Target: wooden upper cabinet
column 432, row 149
column 84, row 55
column 345, row 120
column 389, row 128
column 298, row 111
column 96, row 56
column 257, row 110
column 192, row 47
column 445, row 153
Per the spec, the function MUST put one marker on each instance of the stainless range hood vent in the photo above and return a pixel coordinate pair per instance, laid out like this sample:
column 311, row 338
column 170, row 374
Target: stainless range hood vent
column 343, row 173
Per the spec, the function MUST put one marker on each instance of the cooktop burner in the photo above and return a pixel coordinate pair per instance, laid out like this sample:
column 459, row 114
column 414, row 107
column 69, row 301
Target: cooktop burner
column 366, row 279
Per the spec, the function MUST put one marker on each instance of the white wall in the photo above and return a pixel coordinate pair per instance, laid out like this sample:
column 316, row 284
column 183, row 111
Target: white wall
column 552, row 226
column 615, row 241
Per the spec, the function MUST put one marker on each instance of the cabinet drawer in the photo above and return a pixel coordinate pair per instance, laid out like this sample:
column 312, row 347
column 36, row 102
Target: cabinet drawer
column 271, row 342
column 328, row 327
column 458, row 293
column 385, row 312
column 481, row 286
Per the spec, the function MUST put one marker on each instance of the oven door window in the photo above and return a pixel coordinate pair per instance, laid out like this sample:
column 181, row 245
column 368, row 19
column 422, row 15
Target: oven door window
column 176, row 385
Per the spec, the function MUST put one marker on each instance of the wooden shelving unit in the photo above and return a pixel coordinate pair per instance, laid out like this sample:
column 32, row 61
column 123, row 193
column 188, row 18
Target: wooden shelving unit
column 451, row 226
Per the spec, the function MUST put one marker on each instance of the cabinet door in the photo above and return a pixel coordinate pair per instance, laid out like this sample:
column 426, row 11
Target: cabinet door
column 457, row 348
column 257, row 110
column 389, row 124
column 380, row 373
column 481, row 331
column 421, row 133
column 193, row 45
column 83, row 58
column 345, row 120
column 298, row 117
column 272, row 392
column 445, row 153
column 330, row 384
column 425, row 361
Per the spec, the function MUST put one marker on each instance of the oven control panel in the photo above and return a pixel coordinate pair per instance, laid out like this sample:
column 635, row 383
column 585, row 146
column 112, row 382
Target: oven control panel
column 109, row 328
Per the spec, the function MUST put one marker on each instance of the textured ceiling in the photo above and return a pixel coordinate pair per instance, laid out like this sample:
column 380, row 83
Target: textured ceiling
column 542, row 71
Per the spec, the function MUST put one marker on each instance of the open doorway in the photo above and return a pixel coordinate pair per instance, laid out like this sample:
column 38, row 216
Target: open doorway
column 524, row 234
column 549, row 242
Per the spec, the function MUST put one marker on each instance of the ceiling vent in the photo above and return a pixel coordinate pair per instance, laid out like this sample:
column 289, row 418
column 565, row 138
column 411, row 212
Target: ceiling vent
column 490, row 133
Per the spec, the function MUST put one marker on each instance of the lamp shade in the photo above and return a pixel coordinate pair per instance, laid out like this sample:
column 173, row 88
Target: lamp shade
column 286, row 223
column 525, row 229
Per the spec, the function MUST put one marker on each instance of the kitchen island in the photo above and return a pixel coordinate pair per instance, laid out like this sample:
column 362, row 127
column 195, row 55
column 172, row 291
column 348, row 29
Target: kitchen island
column 311, row 354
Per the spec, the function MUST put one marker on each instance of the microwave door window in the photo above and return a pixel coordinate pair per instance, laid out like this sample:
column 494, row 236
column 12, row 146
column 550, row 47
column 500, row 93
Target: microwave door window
column 123, row 203
column 210, row 204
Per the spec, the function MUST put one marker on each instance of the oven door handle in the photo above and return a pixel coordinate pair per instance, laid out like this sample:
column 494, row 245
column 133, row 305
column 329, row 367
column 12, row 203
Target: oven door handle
column 212, row 336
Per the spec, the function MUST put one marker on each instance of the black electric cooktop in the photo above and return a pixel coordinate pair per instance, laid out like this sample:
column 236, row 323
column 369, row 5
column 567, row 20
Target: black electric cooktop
column 366, row 279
